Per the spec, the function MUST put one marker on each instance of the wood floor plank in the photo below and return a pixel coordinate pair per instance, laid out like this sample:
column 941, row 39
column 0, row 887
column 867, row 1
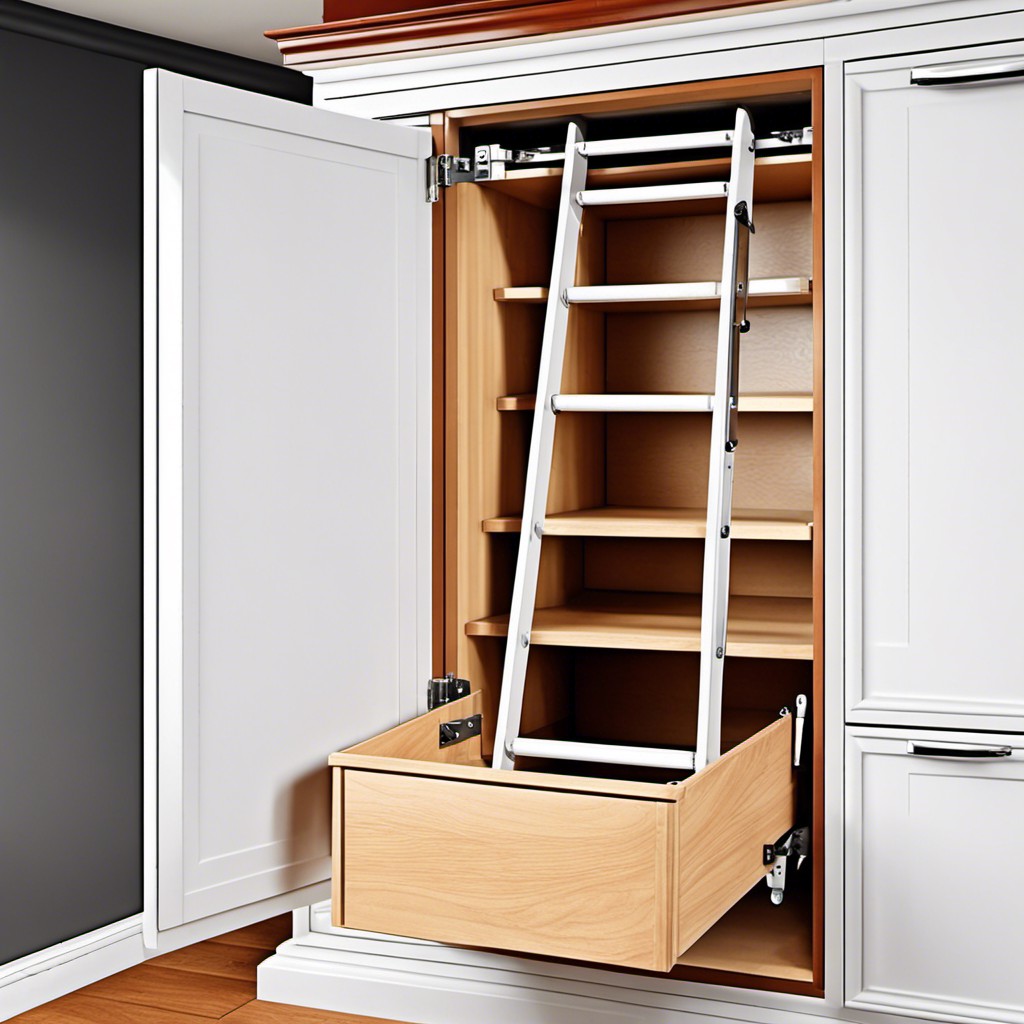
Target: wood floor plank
column 216, row 958
column 201, row 994
column 82, row 1009
column 267, row 934
column 260, row 1012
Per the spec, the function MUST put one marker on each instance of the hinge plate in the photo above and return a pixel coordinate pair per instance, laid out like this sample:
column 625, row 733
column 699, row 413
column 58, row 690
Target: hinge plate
column 459, row 730
column 446, row 689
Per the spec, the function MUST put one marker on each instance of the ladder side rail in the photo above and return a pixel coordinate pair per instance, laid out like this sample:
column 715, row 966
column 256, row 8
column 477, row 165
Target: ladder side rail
column 717, row 543
column 542, row 438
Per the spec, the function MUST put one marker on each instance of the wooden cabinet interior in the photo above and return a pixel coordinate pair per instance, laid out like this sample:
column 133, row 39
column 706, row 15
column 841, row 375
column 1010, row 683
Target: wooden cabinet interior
column 617, row 631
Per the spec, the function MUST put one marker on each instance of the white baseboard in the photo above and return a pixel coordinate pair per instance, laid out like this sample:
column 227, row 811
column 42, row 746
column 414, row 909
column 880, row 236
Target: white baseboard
column 39, row 977
column 431, row 984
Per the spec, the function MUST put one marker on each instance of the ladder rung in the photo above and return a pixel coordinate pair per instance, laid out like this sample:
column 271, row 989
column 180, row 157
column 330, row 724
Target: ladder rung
column 653, row 193
column 605, row 753
column 632, row 403
column 644, row 292
column 655, row 144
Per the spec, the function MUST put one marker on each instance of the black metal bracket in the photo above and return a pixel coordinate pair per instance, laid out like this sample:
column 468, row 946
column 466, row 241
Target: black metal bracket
column 446, row 689
column 797, row 841
column 459, row 730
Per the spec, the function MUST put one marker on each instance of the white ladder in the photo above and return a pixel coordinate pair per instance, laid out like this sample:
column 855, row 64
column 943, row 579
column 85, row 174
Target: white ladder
column 722, row 404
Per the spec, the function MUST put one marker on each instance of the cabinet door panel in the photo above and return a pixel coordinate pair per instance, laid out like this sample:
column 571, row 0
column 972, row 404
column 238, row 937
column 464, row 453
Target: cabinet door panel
column 933, row 345
column 934, row 894
column 288, row 313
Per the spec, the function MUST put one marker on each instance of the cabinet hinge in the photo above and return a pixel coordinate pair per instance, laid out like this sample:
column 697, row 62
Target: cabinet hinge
column 459, row 729
column 486, row 164
column 446, row 689
column 795, row 843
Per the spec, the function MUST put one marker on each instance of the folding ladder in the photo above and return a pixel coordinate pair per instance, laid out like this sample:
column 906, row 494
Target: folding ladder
column 563, row 293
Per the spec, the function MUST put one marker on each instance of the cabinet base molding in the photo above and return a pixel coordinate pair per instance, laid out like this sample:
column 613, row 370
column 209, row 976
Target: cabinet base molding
column 40, row 977
column 426, row 983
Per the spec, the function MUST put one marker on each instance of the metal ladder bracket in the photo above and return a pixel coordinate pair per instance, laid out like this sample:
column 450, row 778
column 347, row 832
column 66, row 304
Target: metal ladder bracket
column 458, row 730
column 445, row 689
column 795, row 843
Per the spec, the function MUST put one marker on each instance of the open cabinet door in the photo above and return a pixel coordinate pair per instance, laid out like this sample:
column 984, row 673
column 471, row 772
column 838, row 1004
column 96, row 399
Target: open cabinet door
column 287, row 484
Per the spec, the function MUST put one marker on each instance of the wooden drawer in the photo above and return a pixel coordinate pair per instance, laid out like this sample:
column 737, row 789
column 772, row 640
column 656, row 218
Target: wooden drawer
column 433, row 844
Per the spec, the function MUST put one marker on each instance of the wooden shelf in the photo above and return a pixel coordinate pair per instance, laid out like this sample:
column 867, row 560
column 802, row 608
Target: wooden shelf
column 776, row 179
column 668, row 523
column 778, row 402
column 758, row 938
column 782, row 291
column 759, row 627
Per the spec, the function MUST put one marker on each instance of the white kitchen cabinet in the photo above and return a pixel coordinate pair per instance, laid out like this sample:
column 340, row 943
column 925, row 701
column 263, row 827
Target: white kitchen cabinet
column 934, row 900
column 934, row 160
column 287, row 487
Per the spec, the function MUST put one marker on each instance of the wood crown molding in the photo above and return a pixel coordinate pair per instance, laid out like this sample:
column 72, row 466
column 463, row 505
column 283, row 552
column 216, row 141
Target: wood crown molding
column 476, row 22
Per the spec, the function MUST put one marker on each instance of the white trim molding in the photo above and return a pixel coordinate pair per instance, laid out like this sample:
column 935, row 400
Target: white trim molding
column 40, row 977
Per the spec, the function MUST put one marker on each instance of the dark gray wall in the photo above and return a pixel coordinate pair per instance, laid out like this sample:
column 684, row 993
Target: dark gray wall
column 70, row 472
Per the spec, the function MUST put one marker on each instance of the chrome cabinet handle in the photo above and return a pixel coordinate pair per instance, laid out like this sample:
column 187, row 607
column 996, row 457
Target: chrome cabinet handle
column 958, row 750
column 969, row 71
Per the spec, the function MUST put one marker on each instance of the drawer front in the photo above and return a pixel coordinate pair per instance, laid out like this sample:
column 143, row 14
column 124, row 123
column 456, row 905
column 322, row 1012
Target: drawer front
column 934, row 259
column 557, row 873
column 934, row 875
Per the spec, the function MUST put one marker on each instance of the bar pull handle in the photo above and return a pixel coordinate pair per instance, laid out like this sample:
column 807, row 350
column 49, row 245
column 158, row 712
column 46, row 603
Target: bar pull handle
column 962, row 751
column 970, row 71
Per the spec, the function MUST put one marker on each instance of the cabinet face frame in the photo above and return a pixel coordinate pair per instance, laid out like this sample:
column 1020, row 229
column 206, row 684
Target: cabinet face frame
column 446, row 129
column 899, row 709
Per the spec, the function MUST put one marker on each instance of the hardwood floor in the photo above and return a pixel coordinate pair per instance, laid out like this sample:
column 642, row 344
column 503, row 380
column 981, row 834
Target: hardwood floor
column 214, row 980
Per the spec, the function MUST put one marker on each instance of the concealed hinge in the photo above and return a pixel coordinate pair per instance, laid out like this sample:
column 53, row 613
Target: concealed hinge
column 446, row 689
column 486, row 164
column 458, row 730
column 795, row 843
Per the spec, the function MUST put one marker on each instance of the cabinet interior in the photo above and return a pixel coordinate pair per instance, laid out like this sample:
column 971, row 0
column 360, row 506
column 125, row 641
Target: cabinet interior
column 614, row 653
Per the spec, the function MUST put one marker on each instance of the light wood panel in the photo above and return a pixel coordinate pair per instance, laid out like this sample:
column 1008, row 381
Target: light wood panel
column 757, row 937
column 758, row 627
column 776, row 178
column 757, row 568
column 747, row 403
column 658, row 351
column 619, row 521
column 417, row 739
column 533, row 294
column 667, row 249
column 720, row 854
column 661, row 460
column 569, row 864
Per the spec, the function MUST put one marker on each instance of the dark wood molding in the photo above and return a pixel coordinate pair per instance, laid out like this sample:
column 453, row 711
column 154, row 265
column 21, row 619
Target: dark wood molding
column 154, row 51
column 472, row 22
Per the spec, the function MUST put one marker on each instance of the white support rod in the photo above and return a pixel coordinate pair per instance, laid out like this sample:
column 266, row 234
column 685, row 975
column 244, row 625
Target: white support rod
column 605, row 753
column 655, row 144
column 632, row 403
column 653, row 193
column 538, row 469
column 717, row 543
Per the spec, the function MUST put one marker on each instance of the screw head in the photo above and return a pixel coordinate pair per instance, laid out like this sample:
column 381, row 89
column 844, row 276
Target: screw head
column 525, row 640
column 720, row 652
column 725, row 532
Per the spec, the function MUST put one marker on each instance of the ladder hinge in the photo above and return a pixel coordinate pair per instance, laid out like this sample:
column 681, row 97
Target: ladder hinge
column 795, row 843
column 458, row 730
column 446, row 689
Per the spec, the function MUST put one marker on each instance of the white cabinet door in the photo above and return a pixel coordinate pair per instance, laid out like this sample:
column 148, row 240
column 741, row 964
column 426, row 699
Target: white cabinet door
column 287, row 411
column 935, row 874
column 935, row 351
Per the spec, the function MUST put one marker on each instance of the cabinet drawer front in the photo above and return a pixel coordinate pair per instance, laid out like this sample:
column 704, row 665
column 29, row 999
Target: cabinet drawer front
column 934, row 261
column 557, row 873
column 934, row 891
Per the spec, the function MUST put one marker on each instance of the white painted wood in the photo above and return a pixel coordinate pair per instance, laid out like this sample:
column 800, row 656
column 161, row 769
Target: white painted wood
column 934, row 600
column 632, row 403
column 54, row 972
column 290, row 250
column 933, row 861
